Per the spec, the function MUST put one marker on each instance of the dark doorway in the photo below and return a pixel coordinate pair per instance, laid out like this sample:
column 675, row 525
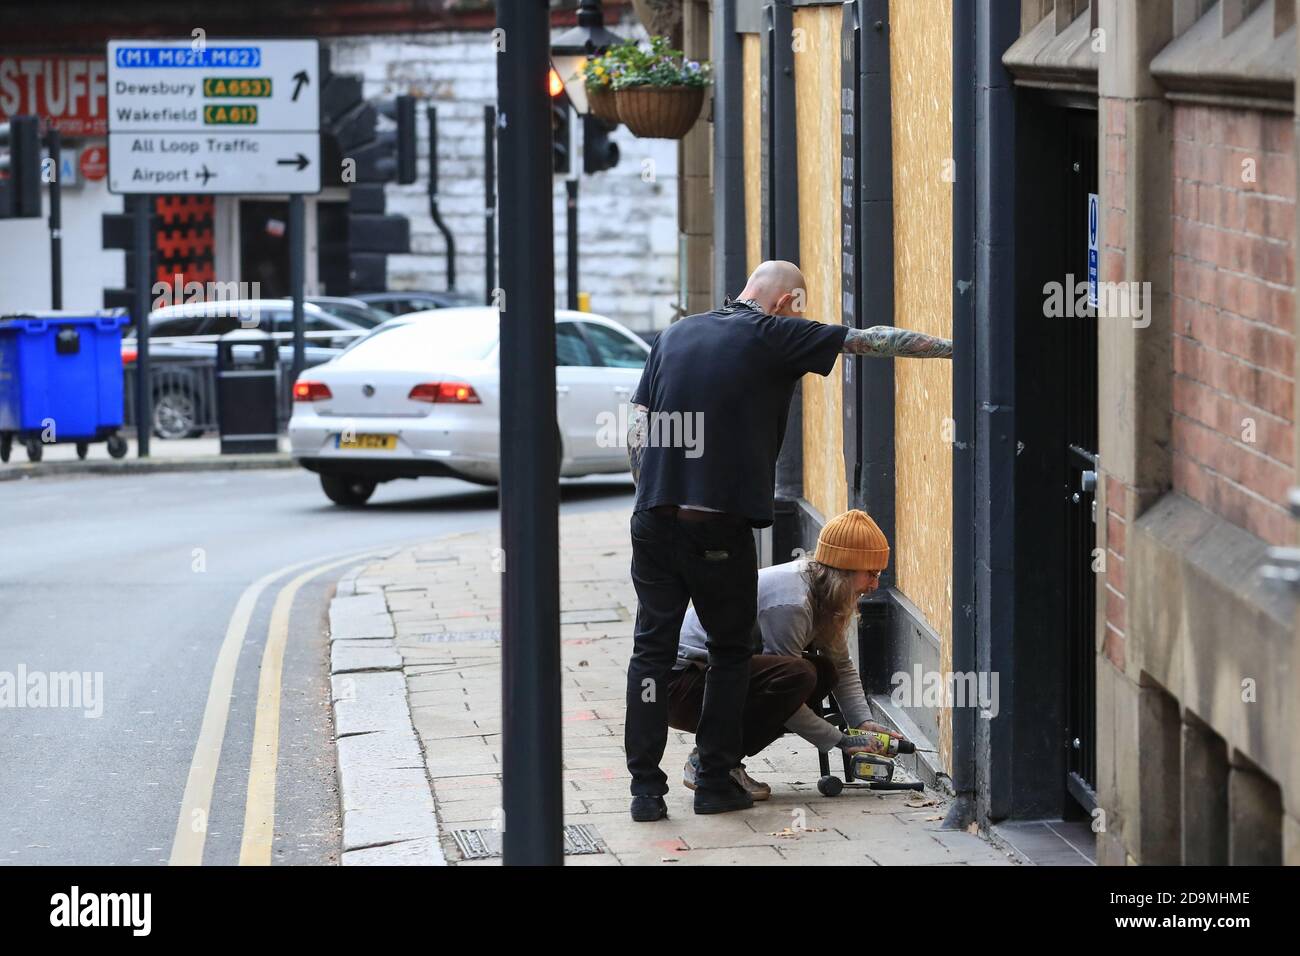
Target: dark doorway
column 264, row 245
column 332, row 248
column 1056, row 398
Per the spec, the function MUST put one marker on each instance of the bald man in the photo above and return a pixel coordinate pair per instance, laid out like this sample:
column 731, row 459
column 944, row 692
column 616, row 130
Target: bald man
column 708, row 420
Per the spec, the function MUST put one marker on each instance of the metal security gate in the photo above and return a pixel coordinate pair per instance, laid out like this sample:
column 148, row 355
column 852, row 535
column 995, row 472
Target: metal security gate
column 1080, row 467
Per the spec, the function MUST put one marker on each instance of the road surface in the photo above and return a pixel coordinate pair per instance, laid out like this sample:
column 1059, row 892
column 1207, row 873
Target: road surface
column 130, row 586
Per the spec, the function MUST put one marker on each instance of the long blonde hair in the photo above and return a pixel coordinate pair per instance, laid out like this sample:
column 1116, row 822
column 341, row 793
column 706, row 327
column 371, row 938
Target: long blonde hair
column 832, row 601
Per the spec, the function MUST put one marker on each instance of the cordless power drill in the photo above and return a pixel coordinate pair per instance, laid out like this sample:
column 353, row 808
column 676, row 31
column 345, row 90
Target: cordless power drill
column 878, row 768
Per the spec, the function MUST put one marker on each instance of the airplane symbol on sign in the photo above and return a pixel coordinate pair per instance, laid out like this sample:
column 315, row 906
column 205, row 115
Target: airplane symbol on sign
column 205, row 174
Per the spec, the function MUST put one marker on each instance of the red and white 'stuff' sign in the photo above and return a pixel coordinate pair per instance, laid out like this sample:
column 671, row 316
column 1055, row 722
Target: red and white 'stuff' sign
column 68, row 93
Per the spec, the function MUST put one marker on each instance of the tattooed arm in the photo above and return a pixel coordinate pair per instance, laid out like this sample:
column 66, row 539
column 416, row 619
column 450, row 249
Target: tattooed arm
column 636, row 432
column 884, row 341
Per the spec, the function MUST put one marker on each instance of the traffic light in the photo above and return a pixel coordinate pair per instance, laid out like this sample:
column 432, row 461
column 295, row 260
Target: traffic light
column 118, row 232
column 20, row 168
column 560, row 137
column 401, row 110
column 599, row 152
column 561, row 130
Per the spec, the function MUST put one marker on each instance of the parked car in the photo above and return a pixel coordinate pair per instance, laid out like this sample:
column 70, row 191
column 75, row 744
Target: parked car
column 420, row 395
column 206, row 321
column 406, row 302
column 183, row 380
column 353, row 310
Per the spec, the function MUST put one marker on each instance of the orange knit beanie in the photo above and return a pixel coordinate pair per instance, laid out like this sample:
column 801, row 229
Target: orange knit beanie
column 853, row 542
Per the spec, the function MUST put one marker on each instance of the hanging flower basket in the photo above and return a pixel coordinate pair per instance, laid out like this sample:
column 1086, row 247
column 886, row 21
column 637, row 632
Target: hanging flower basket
column 601, row 102
column 660, row 112
column 657, row 92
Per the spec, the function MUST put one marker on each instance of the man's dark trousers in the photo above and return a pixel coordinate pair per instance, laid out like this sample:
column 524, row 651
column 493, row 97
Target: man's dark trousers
column 675, row 561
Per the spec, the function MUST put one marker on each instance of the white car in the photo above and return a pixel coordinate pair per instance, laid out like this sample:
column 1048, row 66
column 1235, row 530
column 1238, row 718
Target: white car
column 420, row 395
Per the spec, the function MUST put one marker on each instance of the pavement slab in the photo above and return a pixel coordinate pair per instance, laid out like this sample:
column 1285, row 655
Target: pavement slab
column 441, row 616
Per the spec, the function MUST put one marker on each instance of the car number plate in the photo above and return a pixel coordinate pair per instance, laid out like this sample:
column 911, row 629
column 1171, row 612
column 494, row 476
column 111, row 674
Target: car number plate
column 366, row 442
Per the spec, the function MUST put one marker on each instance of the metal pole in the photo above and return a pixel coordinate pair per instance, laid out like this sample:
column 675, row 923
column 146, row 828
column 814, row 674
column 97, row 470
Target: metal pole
column 571, row 237
column 142, row 285
column 530, row 619
column 490, row 197
column 55, row 145
column 297, row 270
column 432, row 113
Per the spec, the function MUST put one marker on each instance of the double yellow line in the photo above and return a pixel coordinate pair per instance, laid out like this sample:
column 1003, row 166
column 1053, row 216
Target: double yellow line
column 259, row 809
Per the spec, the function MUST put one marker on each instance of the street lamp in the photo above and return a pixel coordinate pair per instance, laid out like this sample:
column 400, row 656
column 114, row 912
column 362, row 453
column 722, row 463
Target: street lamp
column 574, row 47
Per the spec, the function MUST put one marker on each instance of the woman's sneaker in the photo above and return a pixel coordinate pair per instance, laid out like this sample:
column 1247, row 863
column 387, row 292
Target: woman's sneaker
column 756, row 789
column 691, row 770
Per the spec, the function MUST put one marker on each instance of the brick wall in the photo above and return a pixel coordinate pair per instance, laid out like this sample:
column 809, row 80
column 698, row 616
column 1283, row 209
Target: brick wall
column 1233, row 313
column 627, row 223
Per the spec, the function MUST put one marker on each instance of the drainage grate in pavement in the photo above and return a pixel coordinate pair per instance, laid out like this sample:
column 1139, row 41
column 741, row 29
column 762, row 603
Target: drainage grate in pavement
column 580, row 839
column 601, row 615
column 477, row 844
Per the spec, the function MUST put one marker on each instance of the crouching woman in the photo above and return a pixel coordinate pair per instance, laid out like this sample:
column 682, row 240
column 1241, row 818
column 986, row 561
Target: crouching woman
column 805, row 612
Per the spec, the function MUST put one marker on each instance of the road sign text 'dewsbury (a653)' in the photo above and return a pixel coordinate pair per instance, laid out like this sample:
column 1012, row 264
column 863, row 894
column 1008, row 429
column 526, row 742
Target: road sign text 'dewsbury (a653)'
column 236, row 116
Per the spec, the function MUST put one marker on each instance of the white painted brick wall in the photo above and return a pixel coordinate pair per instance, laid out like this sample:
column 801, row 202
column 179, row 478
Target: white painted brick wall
column 627, row 218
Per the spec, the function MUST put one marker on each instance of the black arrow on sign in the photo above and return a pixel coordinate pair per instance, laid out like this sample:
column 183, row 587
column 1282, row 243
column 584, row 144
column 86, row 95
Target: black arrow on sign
column 301, row 162
column 300, row 80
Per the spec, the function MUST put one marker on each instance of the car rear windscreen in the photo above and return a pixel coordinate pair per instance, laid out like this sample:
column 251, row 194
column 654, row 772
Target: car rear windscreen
column 426, row 339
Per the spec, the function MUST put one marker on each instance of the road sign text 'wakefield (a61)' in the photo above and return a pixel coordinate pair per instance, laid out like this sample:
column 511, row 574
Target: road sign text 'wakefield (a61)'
column 235, row 116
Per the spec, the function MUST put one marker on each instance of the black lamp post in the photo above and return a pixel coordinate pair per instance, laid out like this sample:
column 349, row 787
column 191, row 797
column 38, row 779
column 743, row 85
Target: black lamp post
column 574, row 47
column 531, row 781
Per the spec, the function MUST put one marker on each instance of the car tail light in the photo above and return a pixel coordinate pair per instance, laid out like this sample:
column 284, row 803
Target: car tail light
column 457, row 393
column 310, row 391
column 128, row 356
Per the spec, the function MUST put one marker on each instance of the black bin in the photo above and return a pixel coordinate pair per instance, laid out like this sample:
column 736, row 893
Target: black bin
column 248, row 383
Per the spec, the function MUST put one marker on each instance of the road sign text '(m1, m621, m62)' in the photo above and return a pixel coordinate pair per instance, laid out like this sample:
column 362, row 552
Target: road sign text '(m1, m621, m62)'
column 239, row 116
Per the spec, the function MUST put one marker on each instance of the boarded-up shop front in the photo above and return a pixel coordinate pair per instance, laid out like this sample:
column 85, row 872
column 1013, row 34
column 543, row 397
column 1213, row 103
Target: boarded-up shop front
column 826, row 174
column 846, row 140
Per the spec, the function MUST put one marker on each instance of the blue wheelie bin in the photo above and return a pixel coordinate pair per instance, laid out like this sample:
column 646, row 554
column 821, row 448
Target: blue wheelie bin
column 61, row 380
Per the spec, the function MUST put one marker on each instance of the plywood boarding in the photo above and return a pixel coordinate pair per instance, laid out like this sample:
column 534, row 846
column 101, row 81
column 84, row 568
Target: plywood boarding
column 817, row 120
column 921, row 85
column 752, row 64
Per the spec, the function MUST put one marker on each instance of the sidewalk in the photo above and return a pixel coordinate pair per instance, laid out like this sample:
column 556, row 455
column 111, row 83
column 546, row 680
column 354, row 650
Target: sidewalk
column 431, row 614
column 185, row 454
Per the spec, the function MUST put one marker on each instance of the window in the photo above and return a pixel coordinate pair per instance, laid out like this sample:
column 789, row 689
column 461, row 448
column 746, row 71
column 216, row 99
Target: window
column 614, row 349
column 181, row 325
column 424, row 340
column 311, row 322
column 570, row 349
column 230, row 320
column 404, row 306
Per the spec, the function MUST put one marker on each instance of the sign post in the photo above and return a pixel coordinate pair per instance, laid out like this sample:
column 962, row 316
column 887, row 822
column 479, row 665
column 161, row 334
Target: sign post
column 213, row 117
column 142, row 259
column 54, row 143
